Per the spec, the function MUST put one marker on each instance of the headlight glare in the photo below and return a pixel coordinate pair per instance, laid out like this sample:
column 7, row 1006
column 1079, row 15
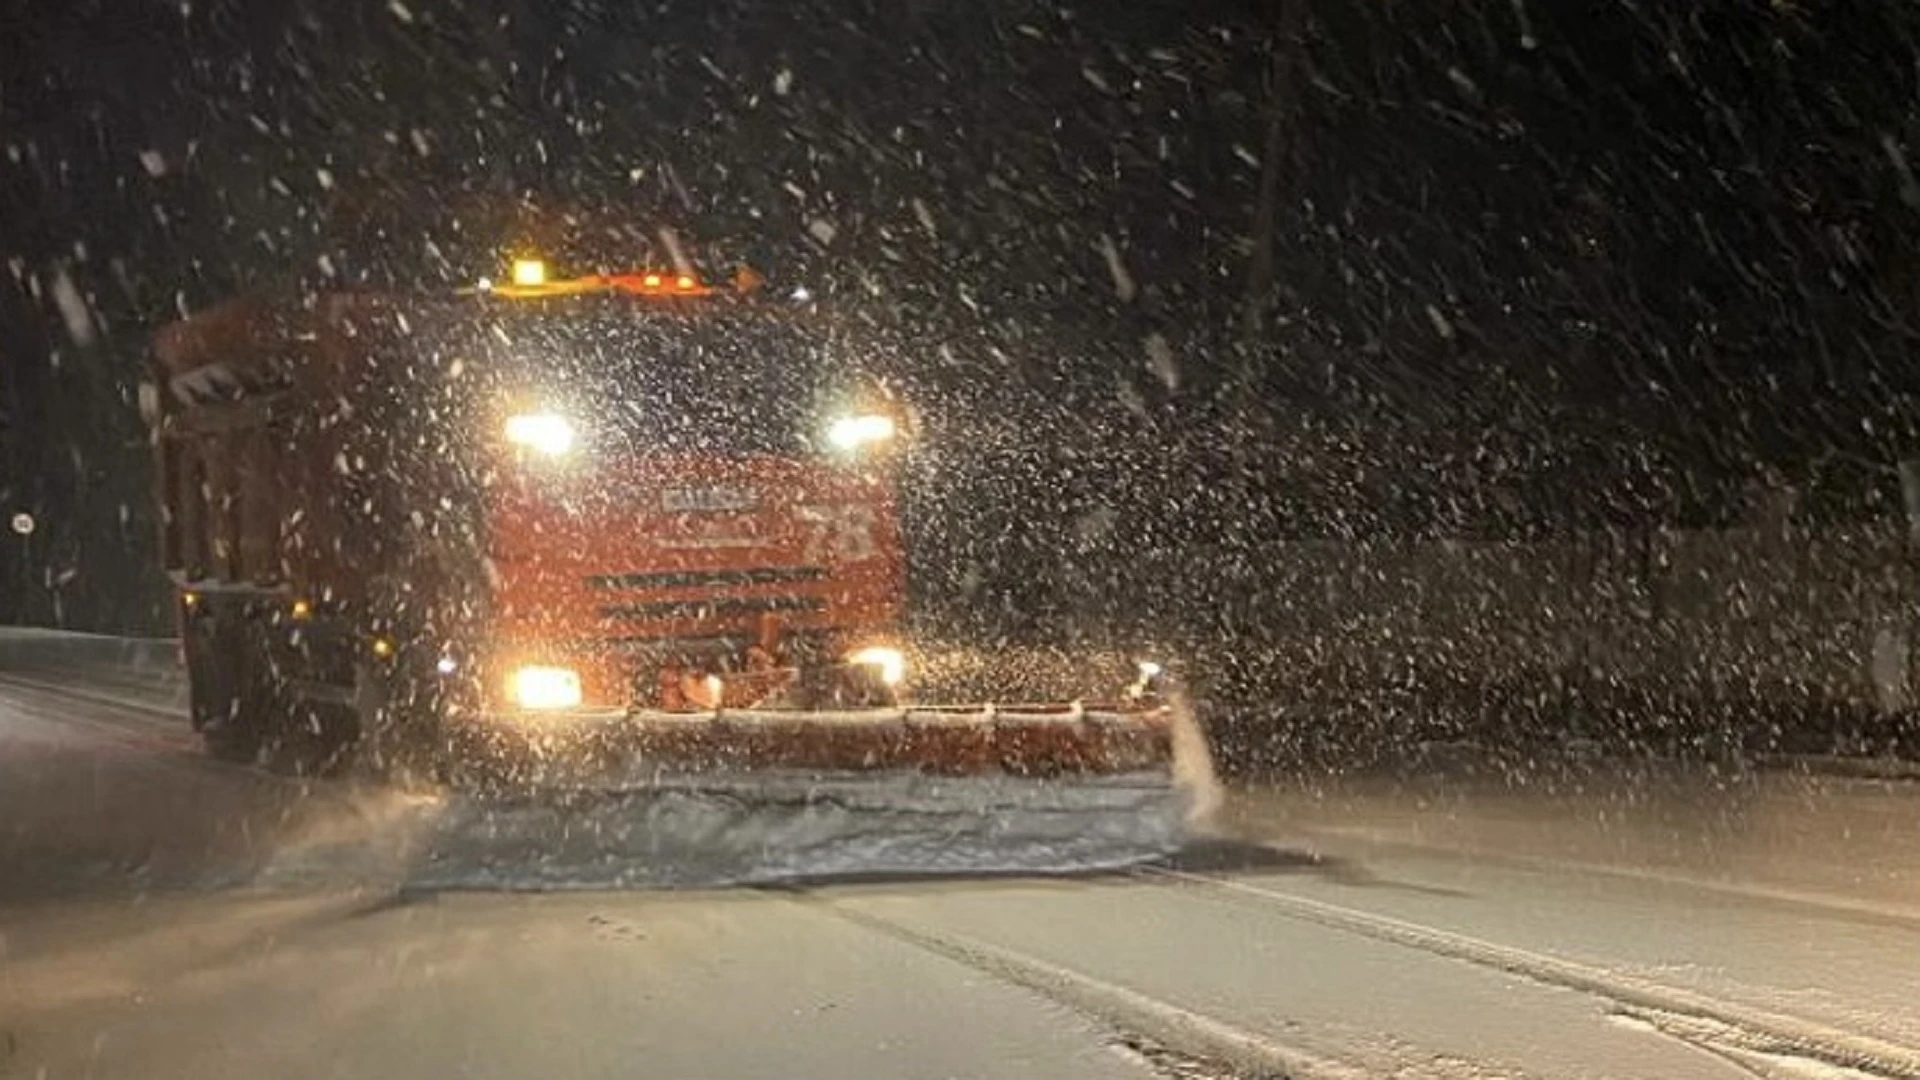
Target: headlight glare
column 891, row 662
column 545, row 433
column 537, row 686
column 528, row 272
column 854, row 432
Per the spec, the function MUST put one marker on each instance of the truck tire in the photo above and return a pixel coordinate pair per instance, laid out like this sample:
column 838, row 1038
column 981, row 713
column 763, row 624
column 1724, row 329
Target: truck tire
column 219, row 676
column 228, row 740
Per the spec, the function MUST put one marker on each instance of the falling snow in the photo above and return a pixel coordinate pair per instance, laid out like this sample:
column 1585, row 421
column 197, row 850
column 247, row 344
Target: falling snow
column 1161, row 361
column 924, row 214
column 74, row 310
column 1123, row 285
column 1380, row 365
column 1472, row 447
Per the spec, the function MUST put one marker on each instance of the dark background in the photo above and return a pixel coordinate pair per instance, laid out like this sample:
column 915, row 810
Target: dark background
column 1476, row 268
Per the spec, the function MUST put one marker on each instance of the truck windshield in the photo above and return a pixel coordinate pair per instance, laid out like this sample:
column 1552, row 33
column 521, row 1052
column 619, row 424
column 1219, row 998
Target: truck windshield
column 640, row 381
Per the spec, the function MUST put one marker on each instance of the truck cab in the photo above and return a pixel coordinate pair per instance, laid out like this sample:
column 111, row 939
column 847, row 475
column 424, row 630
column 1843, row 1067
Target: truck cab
column 522, row 501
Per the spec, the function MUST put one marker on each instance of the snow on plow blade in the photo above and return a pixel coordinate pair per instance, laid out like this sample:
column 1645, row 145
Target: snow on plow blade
column 536, row 751
column 684, row 799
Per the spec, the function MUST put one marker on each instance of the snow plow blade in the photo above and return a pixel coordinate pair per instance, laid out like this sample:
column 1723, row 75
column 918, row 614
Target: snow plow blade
column 757, row 796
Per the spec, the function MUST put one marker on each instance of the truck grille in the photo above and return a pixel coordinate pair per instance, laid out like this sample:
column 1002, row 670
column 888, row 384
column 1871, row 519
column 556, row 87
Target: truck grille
column 707, row 609
column 679, row 579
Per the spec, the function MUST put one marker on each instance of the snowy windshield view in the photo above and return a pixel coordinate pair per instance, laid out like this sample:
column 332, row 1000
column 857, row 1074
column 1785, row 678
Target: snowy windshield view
column 683, row 379
column 1174, row 539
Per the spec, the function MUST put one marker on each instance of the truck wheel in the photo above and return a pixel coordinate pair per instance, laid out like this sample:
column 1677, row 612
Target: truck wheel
column 230, row 739
column 226, row 713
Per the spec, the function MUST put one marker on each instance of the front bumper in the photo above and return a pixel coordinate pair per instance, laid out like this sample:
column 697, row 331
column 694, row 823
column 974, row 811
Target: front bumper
column 603, row 749
column 730, row 672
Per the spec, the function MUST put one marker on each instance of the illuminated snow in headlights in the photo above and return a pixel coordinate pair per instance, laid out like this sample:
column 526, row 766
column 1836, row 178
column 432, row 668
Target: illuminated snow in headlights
column 891, row 662
column 854, row 432
column 547, row 433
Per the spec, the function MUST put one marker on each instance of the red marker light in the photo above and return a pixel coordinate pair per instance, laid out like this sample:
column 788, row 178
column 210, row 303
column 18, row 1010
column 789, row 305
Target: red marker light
column 651, row 281
column 684, row 282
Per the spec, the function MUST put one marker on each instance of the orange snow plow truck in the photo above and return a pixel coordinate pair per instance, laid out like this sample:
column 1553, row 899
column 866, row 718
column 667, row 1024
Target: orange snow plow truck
column 609, row 534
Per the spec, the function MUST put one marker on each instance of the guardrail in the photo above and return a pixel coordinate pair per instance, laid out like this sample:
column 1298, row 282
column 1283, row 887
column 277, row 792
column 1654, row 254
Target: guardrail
column 27, row 649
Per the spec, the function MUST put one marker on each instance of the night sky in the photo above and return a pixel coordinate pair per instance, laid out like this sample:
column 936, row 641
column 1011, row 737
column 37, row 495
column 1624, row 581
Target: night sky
column 1519, row 268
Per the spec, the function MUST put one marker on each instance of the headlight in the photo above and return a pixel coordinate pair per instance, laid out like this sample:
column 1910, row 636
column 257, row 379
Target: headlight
column 537, row 687
column 529, row 272
column 546, row 433
column 855, row 432
column 891, row 662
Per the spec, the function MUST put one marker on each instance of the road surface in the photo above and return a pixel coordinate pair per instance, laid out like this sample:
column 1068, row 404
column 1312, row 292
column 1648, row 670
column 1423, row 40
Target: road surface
column 166, row 916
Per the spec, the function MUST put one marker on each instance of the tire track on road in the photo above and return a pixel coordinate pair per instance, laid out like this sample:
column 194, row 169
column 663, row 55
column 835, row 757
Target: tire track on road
column 1754, row 1029
column 1826, row 903
column 1129, row 1012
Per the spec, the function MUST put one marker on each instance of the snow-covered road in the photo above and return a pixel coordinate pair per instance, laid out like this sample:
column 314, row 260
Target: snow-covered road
column 162, row 915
